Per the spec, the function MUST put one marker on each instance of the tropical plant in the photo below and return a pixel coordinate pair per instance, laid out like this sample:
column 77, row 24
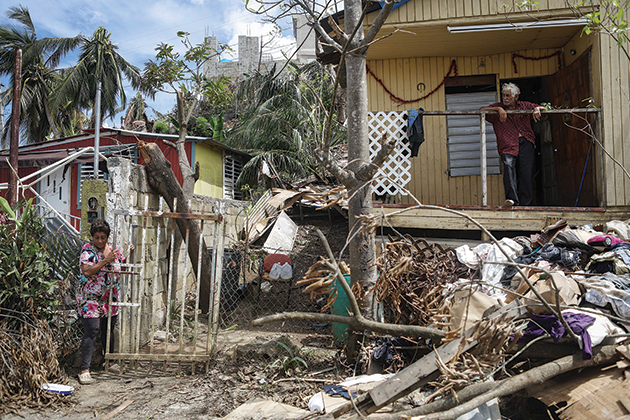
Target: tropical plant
column 98, row 61
column 136, row 111
column 183, row 76
column 609, row 18
column 284, row 122
column 40, row 58
column 24, row 268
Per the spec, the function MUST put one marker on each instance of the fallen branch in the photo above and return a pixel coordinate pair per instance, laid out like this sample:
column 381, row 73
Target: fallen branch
column 535, row 376
column 357, row 323
column 446, row 403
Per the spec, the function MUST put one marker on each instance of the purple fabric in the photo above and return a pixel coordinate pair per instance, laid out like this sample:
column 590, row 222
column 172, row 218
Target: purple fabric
column 541, row 324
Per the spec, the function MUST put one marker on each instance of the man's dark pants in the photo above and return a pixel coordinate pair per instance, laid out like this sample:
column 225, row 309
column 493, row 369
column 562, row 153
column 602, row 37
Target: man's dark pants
column 518, row 172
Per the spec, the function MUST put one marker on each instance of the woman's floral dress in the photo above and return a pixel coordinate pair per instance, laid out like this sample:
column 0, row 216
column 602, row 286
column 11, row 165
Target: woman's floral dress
column 93, row 297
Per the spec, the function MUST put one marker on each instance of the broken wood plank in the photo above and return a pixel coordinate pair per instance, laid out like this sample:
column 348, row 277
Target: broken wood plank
column 117, row 411
column 400, row 384
column 624, row 351
column 407, row 380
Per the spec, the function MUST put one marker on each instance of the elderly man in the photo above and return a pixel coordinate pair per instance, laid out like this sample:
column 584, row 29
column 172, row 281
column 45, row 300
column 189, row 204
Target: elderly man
column 516, row 143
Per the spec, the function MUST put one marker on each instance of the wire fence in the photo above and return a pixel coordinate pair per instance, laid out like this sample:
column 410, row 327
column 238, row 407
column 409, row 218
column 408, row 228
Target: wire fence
column 247, row 293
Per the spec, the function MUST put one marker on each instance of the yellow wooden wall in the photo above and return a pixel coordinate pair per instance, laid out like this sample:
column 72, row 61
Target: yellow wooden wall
column 615, row 90
column 430, row 182
column 210, row 182
column 426, row 10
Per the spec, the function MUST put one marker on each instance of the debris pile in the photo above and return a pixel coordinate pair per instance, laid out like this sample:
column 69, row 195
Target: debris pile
column 512, row 313
column 29, row 361
column 500, row 300
column 413, row 275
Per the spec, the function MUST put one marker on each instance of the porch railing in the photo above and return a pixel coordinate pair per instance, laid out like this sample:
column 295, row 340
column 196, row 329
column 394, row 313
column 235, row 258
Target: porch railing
column 482, row 127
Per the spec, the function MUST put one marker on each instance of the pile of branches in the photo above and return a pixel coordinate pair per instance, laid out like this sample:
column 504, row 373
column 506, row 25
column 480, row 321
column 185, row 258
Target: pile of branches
column 28, row 359
column 413, row 275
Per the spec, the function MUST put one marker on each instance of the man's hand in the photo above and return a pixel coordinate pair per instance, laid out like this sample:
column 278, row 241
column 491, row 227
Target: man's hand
column 502, row 114
column 536, row 114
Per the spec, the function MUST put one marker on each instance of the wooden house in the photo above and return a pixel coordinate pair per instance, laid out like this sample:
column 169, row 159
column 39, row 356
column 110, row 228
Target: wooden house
column 219, row 165
column 454, row 55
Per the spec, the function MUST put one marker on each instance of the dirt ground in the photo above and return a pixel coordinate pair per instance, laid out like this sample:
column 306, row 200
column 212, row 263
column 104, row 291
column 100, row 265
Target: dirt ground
column 229, row 383
column 234, row 377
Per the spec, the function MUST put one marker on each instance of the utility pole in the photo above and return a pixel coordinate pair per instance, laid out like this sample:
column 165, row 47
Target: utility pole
column 97, row 126
column 12, row 193
column 1, row 114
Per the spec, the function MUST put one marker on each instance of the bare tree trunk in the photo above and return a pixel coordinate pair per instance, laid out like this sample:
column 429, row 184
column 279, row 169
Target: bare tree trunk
column 362, row 247
column 188, row 184
column 161, row 177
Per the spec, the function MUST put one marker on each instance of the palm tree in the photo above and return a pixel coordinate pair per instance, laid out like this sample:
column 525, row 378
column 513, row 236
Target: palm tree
column 40, row 58
column 100, row 61
column 283, row 122
column 137, row 111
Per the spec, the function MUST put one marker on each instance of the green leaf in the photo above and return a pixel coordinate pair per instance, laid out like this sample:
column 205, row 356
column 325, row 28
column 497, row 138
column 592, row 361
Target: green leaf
column 7, row 208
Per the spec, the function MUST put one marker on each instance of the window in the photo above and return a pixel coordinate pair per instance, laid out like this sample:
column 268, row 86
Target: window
column 463, row 131
column 232, row 167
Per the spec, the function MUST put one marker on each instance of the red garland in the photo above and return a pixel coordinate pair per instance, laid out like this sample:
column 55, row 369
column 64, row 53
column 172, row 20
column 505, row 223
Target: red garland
column 401, row 101
column 514, row 55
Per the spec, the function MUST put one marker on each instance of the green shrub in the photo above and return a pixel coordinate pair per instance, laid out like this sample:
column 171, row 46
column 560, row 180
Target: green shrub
column 25, row 281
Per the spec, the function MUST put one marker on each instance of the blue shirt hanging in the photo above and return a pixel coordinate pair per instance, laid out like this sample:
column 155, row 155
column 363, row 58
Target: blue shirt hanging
column 415, row 129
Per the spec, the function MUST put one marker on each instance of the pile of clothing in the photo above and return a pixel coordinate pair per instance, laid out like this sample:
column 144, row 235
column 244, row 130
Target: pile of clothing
column 589, row 266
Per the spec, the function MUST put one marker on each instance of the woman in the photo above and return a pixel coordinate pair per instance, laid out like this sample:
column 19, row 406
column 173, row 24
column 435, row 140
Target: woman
column 99, row 265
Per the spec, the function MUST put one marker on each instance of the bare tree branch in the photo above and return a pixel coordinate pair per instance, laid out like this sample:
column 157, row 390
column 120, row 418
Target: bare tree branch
column 367, row 172
column 357, row 323
column 344, row 176
column 378, row 23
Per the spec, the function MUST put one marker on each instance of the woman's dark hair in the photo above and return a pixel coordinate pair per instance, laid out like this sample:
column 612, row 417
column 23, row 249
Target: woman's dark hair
column 100, row 225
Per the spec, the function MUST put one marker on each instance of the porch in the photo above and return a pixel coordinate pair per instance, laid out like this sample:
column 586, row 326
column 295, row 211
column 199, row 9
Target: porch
column 495, row 219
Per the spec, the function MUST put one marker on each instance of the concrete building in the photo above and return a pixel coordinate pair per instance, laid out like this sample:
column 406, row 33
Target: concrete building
column 250, row 57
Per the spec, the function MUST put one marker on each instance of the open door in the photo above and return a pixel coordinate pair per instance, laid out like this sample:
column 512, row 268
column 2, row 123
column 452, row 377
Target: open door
column 573, row 156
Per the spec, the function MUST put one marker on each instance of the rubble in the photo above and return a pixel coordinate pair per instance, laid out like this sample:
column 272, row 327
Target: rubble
column 498, row 306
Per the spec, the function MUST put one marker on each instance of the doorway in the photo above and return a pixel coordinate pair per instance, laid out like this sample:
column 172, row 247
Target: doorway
column 573, row 151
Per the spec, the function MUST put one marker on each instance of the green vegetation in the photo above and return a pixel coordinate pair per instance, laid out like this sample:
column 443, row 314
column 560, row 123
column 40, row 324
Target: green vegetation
column 24, row 267
column 289, row 362
column 284, row 122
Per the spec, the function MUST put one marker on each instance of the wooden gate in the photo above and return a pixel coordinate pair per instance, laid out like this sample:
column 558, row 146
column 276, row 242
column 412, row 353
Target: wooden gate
column 158, row 321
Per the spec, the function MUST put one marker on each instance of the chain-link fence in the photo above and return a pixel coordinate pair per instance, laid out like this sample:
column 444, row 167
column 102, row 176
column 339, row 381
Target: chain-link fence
column 250, row 292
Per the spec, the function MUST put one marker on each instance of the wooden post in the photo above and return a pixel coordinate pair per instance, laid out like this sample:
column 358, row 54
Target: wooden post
column 12, row 193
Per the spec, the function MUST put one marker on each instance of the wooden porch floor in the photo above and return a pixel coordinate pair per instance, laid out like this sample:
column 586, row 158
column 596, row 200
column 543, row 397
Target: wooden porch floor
column 530, row 219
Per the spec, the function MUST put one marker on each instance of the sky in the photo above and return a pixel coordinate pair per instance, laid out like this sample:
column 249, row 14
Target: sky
column 137, row 27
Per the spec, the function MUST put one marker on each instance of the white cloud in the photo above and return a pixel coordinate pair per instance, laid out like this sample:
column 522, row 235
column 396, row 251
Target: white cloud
column 137, row 27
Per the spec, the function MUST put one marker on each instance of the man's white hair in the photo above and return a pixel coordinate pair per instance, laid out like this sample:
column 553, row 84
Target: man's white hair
column 512, row 88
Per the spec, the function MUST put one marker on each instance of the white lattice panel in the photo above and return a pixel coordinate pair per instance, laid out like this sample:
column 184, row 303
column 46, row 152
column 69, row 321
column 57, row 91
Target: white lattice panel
column 397, row 167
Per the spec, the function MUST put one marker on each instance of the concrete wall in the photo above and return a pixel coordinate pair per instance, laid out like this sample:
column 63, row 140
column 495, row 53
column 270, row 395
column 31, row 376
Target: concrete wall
column 129, row 190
